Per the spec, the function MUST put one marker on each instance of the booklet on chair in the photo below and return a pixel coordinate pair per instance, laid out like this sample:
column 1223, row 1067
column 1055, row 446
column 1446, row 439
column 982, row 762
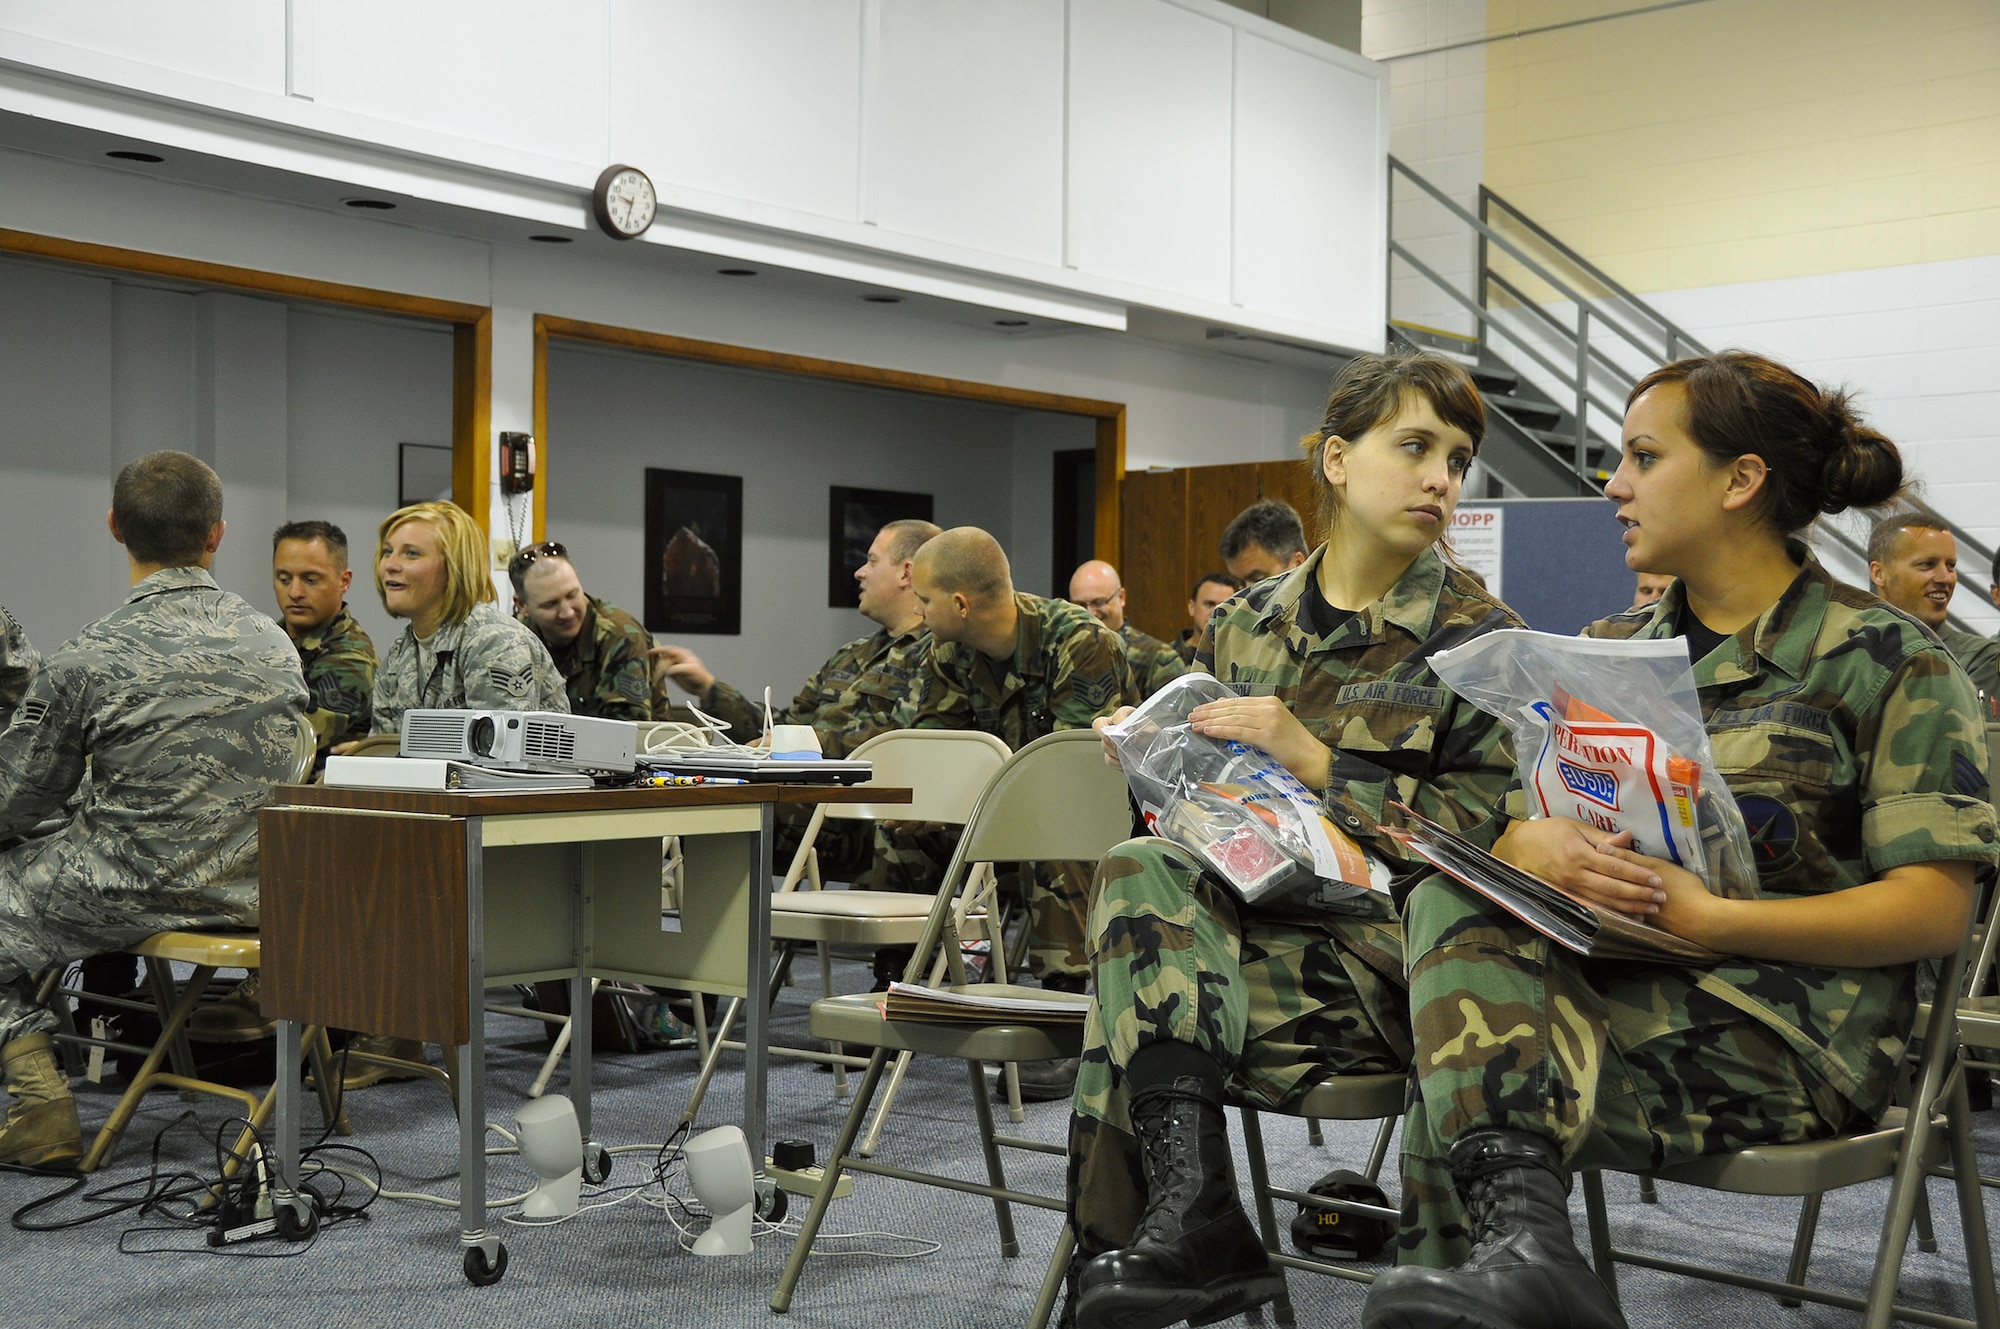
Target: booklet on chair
column 983, row 1003
column 1587, row 929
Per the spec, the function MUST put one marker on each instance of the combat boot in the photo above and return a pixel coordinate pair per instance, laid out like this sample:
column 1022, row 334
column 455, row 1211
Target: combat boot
column 41, row 1129
column 1195, row 1256
column 1524, row 1272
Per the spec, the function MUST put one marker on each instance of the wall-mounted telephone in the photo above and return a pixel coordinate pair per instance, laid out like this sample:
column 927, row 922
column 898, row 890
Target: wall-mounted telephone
column 517, row 463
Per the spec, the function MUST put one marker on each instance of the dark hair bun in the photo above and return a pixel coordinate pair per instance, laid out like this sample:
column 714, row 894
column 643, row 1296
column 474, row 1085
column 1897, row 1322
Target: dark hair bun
column 1863, row 469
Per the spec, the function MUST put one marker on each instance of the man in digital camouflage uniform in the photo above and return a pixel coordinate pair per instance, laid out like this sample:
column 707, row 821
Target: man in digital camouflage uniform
column 600, row 650
column 1193, row 985
column 1018, row 667
column 155, row 735
column 850, row 700
column 1154, row 663
column 1847, row 762
column 310, row 574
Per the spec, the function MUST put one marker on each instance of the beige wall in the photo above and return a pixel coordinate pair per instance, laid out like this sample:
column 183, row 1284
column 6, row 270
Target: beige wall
column 1746, row 140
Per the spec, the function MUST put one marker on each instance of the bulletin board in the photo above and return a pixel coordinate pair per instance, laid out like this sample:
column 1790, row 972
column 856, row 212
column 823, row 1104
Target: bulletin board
column 1560, row 562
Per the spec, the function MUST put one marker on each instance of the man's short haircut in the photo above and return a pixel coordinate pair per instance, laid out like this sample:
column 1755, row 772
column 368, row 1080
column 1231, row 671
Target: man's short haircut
column 1882, row 540
column 1269, row 523
column 166, row 503
column 907, row 535
column 1229, row 579
column 969, row 561
column 325, row 532
column 461, row 544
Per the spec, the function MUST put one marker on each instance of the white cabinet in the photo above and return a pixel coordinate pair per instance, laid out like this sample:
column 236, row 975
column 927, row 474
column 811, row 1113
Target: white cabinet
column 963, row 124
column 1311, row 136
column 1149, row 107
column 757, row 100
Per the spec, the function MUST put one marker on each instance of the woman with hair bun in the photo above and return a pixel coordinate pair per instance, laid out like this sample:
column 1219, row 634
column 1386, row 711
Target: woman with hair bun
column 1853, row 746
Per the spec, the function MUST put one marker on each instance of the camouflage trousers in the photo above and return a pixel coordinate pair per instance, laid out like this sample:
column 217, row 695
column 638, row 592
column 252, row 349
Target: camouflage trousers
column 913, row 855
column 1624, row 1065
column 49, row 916
column 1280, row 1002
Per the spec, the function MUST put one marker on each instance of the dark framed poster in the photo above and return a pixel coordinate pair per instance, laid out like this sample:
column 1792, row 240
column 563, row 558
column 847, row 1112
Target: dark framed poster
column 854, row 518
column 694, row 552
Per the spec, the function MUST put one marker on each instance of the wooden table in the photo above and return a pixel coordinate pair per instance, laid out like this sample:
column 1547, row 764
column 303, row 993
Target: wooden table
column 393, row 911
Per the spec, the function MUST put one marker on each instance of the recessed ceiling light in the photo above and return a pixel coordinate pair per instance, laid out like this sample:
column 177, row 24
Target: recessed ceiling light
column 370, row 204
column 128, row 155
column 736, row 272
column 883, row 299
column 1010, row 322
column 551, row 239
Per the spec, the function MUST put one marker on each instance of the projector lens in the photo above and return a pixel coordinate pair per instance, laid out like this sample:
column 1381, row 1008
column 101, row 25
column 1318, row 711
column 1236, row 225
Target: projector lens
column 481, row 737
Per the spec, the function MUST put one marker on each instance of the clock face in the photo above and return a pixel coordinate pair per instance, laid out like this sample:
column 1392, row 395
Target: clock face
column 625, row 201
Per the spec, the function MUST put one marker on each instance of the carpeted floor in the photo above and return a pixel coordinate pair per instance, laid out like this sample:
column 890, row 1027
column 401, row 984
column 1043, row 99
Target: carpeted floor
column 624, row 1264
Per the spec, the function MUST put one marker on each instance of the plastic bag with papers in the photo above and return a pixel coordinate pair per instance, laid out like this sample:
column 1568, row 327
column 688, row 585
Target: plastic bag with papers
column 1250, row 821
column 1610, row 733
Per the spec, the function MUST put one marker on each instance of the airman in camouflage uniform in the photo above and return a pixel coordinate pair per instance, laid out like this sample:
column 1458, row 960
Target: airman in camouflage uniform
column 1281, row 997
column 160, row 730
column 1853, row 746
column 1066, row 669
column 1153, row 663
column 339, row 664
column 851, row 699
column 604, row 668
column 485, row 661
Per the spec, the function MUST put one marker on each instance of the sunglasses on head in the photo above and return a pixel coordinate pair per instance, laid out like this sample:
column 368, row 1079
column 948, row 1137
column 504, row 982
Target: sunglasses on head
column 546, row 549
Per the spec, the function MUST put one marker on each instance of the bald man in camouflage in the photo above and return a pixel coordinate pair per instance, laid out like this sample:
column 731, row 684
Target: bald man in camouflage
column 155, row 735
column 1154, row 663
column 1018, row 667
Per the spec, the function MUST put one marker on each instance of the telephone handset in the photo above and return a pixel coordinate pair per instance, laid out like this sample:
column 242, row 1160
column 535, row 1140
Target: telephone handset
column 517, row 463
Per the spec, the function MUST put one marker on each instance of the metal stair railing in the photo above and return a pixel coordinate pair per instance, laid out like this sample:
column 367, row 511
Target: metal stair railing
column 1635, row 323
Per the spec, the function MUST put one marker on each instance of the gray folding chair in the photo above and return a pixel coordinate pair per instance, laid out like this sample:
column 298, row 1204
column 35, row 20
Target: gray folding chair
column 1055, row 799
column 1907, row 1143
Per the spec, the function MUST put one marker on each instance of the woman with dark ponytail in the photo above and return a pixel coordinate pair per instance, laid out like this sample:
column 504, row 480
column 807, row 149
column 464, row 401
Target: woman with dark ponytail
column 1855, row 750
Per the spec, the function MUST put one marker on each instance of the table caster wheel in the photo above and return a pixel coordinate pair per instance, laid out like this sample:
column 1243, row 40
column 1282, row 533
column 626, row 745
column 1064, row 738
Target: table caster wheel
column 596, row 1163
column 481, row 1274
column 772, row 1203
column 297, row 1222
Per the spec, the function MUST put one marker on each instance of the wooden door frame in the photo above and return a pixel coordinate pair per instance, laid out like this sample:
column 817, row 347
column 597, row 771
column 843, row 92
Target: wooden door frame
column 471, row 327
column 1108, row 415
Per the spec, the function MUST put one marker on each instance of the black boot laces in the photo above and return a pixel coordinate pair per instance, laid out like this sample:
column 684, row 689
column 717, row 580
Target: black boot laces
column 1173, row 1170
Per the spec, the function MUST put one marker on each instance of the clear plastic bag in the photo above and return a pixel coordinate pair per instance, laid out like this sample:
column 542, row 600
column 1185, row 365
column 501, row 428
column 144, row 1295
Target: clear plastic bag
column 1256, row 827
column 1610, row 732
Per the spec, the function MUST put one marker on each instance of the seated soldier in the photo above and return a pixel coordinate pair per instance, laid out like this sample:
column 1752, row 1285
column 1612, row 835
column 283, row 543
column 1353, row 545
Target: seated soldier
column 599, row 649
column 1913, row 564
column 159, row 731
column 310, row 574
column 456, row 650
column 1018, row 667
column 1206, row 597
column 1154, row 664
column 1265, row 539
column 850, row 700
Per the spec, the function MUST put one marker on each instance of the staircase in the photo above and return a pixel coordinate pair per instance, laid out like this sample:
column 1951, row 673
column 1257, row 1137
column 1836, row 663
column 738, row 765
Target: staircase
column 1556, row 348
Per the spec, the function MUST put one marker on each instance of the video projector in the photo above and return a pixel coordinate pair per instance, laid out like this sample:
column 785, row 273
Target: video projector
column 521, row 740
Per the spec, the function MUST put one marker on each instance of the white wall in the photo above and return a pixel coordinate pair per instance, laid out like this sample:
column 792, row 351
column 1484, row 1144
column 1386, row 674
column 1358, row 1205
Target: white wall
column 614, row 414
column 298, row 410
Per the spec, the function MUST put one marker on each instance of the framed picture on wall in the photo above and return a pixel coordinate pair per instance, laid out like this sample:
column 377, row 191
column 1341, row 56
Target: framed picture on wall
column 423, row 474
column 694, row 552
column 854, row 517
